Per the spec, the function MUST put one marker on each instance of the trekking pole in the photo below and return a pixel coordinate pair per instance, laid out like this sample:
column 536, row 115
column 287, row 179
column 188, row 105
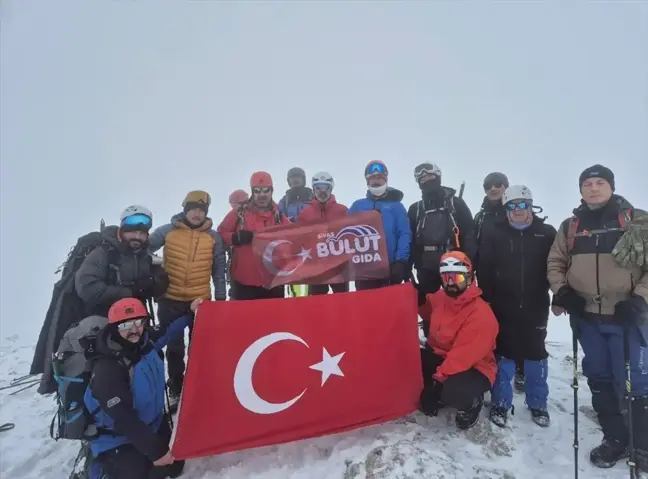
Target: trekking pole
column 628, row 385
column 149, row 304
column 102, row 225
column 575, row 387
column 461, row 189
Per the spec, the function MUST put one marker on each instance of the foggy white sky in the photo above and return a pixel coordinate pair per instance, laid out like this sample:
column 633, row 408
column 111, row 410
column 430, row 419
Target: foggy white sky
column 105, row 104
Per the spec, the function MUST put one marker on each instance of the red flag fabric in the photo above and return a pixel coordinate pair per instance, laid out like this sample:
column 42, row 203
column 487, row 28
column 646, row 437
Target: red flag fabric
column 273, row 371
column 350, row 248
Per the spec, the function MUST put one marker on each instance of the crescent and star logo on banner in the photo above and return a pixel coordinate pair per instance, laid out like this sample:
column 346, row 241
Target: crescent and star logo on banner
column 244, row 389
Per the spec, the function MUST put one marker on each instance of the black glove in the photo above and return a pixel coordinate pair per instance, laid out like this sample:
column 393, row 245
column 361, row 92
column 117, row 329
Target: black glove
column 242, row 237
column 570, row 300
column 143, row 287
column 632, row 310
column 430, row 400
column 398, row 272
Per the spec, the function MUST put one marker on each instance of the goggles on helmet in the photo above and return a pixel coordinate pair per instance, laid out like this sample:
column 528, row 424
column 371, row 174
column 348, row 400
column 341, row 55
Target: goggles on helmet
column 138, row 220
column 262, row 189
column 425, row 169
column 322, row 186
column 375, row 169
column 520, row 205
column 125, row 325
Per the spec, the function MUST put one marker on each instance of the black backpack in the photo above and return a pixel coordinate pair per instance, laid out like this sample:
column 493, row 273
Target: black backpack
column 66, row 308
column 448, row 206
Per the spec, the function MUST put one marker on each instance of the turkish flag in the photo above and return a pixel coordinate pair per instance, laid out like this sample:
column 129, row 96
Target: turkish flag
column 278, row 370
column 349, row 248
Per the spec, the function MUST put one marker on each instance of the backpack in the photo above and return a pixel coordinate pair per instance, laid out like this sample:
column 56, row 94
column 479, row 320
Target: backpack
column 66, row 308
column 72, row 365
column 624, row 217
column 448, row 206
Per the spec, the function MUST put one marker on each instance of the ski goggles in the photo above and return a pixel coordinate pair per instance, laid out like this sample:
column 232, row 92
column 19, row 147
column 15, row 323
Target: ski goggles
column 375, row 169
column 521, row 205
column 126, row 325
column 262, row 189
column 138, row 220
column 494, row 184
column 455, row 278
column 322, row 186
column 425, row 169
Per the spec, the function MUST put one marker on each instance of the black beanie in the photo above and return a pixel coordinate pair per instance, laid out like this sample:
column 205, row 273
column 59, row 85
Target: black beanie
column 597, row 171
column 494, row 178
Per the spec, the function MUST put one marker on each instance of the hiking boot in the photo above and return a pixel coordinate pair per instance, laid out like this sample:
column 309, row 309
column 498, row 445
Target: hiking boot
column 519, row 382
column 174, row 401
column 498, row 416
column 467, row 418
column 540, row 417
column 608, row 453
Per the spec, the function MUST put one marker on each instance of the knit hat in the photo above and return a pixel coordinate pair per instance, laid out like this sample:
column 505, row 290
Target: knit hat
column 597, row 171
column 196, row 199
column 495, row 178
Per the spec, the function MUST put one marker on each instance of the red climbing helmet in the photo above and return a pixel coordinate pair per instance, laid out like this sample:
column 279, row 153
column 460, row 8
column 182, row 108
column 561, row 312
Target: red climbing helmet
column 261, row 179
column 126, row 309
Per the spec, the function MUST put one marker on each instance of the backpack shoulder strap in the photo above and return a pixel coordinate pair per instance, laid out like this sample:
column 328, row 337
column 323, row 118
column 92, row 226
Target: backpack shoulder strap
column 240, row 214
column 572, row 229
column 455, row 226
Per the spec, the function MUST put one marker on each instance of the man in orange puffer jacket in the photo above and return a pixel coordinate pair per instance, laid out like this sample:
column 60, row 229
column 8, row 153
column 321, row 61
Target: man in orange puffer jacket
column 323, row 207
column 458, row 361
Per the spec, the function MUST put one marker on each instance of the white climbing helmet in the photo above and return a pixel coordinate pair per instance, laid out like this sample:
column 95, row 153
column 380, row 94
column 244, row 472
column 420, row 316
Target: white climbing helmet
column 455, row 262
column 322, row 178
column 517, row 192
column 133, row 210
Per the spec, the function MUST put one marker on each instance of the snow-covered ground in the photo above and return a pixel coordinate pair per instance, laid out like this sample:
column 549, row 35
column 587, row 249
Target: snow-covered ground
column 411, row 447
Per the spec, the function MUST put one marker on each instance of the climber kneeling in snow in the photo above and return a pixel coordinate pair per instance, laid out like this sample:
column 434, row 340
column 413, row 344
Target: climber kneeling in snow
column 513, row 275
column 126, row 396
column 458, row 360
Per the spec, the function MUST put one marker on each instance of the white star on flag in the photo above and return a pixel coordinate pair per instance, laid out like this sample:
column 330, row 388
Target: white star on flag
column 328, row 365
column 305, row 254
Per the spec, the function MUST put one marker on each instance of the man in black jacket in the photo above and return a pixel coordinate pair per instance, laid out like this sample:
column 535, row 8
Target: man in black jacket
column 122, row 266
column 514, row 281
column 440, row 222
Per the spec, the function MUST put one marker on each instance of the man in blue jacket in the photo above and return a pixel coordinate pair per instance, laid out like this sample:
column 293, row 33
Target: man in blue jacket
column 126, row 396
column 388, row 201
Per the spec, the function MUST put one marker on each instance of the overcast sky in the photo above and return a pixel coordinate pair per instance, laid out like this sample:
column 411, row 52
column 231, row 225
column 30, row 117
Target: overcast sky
column 107, row 103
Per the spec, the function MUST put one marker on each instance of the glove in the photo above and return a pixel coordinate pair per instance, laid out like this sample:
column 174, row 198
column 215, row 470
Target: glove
column 398, row 272
column 430, row 400
column 242, row 237
column 143, row 287
column 632, row 310
column 570, row 300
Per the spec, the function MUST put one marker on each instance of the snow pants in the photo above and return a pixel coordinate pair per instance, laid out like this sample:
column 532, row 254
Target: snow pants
column 536, row 387
column 316, row 289
column 126, row 462
column 244, row 292
column 603, row 365
column 168, row 311
column 458, row 391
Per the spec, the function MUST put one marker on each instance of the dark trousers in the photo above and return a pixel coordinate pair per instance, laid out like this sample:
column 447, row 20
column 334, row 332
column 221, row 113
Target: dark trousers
column 429, row 282
column 458, row 391
column 126, row 462
column 168, row 311
column 244, row 292
column 316, row 289
column 372, row 284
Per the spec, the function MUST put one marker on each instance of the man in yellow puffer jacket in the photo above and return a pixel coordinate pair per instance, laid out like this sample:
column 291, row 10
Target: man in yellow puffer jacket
column 194, row 253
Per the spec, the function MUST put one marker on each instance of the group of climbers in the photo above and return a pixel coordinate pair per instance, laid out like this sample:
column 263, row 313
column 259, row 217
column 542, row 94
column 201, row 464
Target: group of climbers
column 483, row 291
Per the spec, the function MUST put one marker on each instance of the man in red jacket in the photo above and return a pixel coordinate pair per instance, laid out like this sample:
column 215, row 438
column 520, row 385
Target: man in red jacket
column 323, row 207
column 237, row 231
column 459, row 360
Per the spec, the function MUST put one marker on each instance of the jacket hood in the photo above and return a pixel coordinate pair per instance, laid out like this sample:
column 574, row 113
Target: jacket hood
column 109, row 233
column 455, row 304
column 616, row 203
column 392, row 195
column 318, row 204
column 487, row 205
column 108, row 347
column 177, row 220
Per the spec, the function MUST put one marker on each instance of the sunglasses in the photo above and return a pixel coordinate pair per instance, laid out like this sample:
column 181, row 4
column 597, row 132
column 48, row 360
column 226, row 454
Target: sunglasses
column 126, row 325
column 137, row 220
column 262, row 189
column 456, row 278
column 424, row 170
column 493, row 185
column 322, row 186
column 522, row 205
column 375, row 169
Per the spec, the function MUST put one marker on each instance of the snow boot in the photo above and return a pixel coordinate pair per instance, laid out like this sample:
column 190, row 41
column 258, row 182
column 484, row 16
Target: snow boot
column 467, row 418
column 519, row 382
column 608, row 453
column 174, row 390
column 540, row 417
column 498, row 416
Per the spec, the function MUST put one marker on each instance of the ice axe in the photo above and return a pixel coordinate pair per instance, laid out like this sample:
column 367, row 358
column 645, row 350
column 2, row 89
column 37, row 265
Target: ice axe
column 461, row 189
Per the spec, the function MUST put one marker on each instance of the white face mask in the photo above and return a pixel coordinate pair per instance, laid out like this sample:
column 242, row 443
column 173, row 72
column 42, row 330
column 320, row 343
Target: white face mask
column 378, row 190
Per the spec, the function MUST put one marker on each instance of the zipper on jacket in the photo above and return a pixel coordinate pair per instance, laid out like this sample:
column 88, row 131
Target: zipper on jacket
column 598, row 285
column 522, row 267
